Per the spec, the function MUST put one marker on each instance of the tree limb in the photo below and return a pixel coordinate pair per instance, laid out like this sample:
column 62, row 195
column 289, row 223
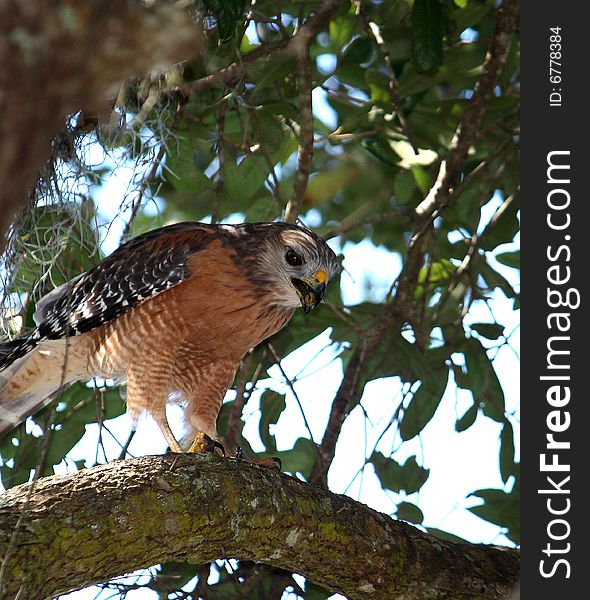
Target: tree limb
column 101, row 522
column 305, row 149
column 300, row 45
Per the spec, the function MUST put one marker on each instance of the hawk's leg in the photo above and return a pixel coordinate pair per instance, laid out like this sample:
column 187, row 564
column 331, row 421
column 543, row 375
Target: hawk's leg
column 273, row 462
column 203, row 391
column 162, row 422
column 147, row 390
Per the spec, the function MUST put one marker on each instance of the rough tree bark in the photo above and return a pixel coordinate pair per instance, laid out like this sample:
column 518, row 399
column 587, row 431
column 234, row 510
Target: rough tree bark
column 93, row 525
column 59, row 57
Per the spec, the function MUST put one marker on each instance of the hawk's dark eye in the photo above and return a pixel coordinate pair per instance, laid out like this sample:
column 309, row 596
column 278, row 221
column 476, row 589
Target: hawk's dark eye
column 293, row 258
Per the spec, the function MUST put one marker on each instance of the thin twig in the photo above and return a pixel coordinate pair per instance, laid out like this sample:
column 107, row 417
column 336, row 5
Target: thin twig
column 372, row 220
column 220, row 172
column 396, row 100
column 467, row 130
column 125, row 446
column 277, row 359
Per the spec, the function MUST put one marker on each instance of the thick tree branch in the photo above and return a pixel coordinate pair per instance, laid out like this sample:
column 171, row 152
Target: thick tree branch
column 305, row 150
column 101, row 522
column 300, row 45
column 401, row 308
column 59, row 57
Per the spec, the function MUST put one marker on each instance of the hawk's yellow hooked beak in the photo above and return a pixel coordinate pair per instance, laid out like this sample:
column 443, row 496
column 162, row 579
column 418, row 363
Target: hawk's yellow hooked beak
column 311, row 290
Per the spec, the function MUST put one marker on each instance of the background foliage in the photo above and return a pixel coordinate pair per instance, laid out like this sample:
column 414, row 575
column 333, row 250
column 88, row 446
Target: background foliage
column 228, row 137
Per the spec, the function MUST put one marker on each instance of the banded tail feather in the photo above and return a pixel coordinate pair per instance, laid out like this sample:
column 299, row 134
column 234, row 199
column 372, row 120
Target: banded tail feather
column 31, row 372
column 15, row 349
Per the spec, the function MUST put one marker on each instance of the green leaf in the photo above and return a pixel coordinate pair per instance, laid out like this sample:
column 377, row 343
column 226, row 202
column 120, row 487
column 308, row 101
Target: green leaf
column 174, row 575
column 409, row 512
column 468, row 419
column 264, row 208
column 462, row 378
column 244, row 180
column 359, row 51
column 427, row 32
column 466, row 211
column 184, row 169
column 486, row 387
column 272, row 405
column 341, row 29
column 228, row 14
column 380, row 149
column 493, row 279
column 422, row 178
column 404, row 186
column 510, row 259
column 507, row 465
column 316, row 592
column 396, row 356
column 393, row 476
column 445, row 535
column 504, row 229
column 300, row 458
column 469, row 16
column 500, row 508
column 434, row 276
column 378, row 84
column 492, row 331
column 268, row 72
column 438, row 272
column 423, row 405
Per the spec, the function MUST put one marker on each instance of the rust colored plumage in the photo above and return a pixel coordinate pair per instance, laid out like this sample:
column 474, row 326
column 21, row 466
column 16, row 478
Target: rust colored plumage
column 173, row 311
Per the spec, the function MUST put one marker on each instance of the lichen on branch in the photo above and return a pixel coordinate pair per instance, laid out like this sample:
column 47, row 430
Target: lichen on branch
column 101, row 522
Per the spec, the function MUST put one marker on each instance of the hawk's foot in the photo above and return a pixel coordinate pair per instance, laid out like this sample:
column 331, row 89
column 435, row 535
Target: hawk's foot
column 273, row 462
column 203, row 444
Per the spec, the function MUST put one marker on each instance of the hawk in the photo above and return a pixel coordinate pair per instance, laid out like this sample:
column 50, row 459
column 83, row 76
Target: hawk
column 173, row 311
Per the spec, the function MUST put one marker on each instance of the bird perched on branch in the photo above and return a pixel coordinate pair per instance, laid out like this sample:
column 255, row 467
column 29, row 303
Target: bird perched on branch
column 173, row 311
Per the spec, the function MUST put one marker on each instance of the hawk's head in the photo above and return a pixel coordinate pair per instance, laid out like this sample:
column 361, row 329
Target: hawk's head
column 292, row 263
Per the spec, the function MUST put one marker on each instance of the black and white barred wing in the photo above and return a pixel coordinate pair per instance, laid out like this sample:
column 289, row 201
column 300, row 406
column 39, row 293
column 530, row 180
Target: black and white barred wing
column 135, row 272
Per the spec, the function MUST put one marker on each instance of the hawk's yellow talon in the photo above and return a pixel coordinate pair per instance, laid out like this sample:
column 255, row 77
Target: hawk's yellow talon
column 203, row 444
